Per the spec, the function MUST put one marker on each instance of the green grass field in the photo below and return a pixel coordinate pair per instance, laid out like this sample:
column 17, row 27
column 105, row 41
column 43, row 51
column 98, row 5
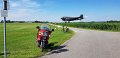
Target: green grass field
column 95, row 25
column 21, row 40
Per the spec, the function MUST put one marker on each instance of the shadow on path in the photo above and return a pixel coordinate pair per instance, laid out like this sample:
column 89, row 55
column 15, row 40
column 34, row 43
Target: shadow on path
column 52, row 49
column 56, row 49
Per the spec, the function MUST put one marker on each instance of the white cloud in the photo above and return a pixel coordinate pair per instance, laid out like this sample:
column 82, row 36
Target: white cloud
column 30, row 10
column 14, row 5
column 22, row 9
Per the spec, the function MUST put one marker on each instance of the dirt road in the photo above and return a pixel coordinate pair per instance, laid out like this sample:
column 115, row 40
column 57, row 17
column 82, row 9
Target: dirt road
column 89, row 44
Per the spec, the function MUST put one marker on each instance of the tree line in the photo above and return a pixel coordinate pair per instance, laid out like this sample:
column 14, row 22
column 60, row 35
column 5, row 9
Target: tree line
column 9, row 21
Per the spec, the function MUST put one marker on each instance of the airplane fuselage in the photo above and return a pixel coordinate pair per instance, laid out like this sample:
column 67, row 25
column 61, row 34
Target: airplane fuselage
column 69, row 18
column 72, row 18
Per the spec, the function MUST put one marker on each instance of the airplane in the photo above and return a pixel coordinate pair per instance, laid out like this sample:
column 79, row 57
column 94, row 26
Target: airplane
column 72, row 18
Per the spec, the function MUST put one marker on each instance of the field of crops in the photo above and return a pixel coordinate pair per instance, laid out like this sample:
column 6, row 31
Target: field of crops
column 94, row 25
column 21, row 40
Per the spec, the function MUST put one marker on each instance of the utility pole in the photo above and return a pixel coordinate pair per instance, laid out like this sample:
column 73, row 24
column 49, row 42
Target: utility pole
column 4, row 13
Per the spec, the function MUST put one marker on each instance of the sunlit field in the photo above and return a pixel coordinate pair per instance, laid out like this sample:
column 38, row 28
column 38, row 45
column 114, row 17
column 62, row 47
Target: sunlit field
column 95, row 25
column 21, row 40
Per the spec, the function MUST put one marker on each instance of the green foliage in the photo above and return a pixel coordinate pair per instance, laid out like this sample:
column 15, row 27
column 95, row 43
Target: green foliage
column 94, row 25
column 21, row 40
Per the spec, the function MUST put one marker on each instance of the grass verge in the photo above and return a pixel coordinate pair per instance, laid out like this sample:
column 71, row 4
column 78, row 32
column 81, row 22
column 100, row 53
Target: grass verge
column 21, row 40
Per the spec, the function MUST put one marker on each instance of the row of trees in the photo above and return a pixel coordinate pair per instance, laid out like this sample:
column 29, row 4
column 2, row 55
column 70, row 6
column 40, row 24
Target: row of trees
column 9, row 21
column 113, row 21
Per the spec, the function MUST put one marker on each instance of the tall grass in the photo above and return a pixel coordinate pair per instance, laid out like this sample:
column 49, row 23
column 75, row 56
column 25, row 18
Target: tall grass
column 94, row 25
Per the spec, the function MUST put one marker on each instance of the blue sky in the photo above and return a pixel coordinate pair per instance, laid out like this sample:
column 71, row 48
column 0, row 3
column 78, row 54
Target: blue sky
column 53, row 10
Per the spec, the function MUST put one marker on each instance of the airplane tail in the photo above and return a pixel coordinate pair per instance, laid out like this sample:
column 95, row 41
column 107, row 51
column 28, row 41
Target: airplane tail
column 81, row 16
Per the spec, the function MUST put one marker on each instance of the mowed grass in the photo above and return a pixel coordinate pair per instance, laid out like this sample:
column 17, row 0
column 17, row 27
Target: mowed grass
column 21, row 40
